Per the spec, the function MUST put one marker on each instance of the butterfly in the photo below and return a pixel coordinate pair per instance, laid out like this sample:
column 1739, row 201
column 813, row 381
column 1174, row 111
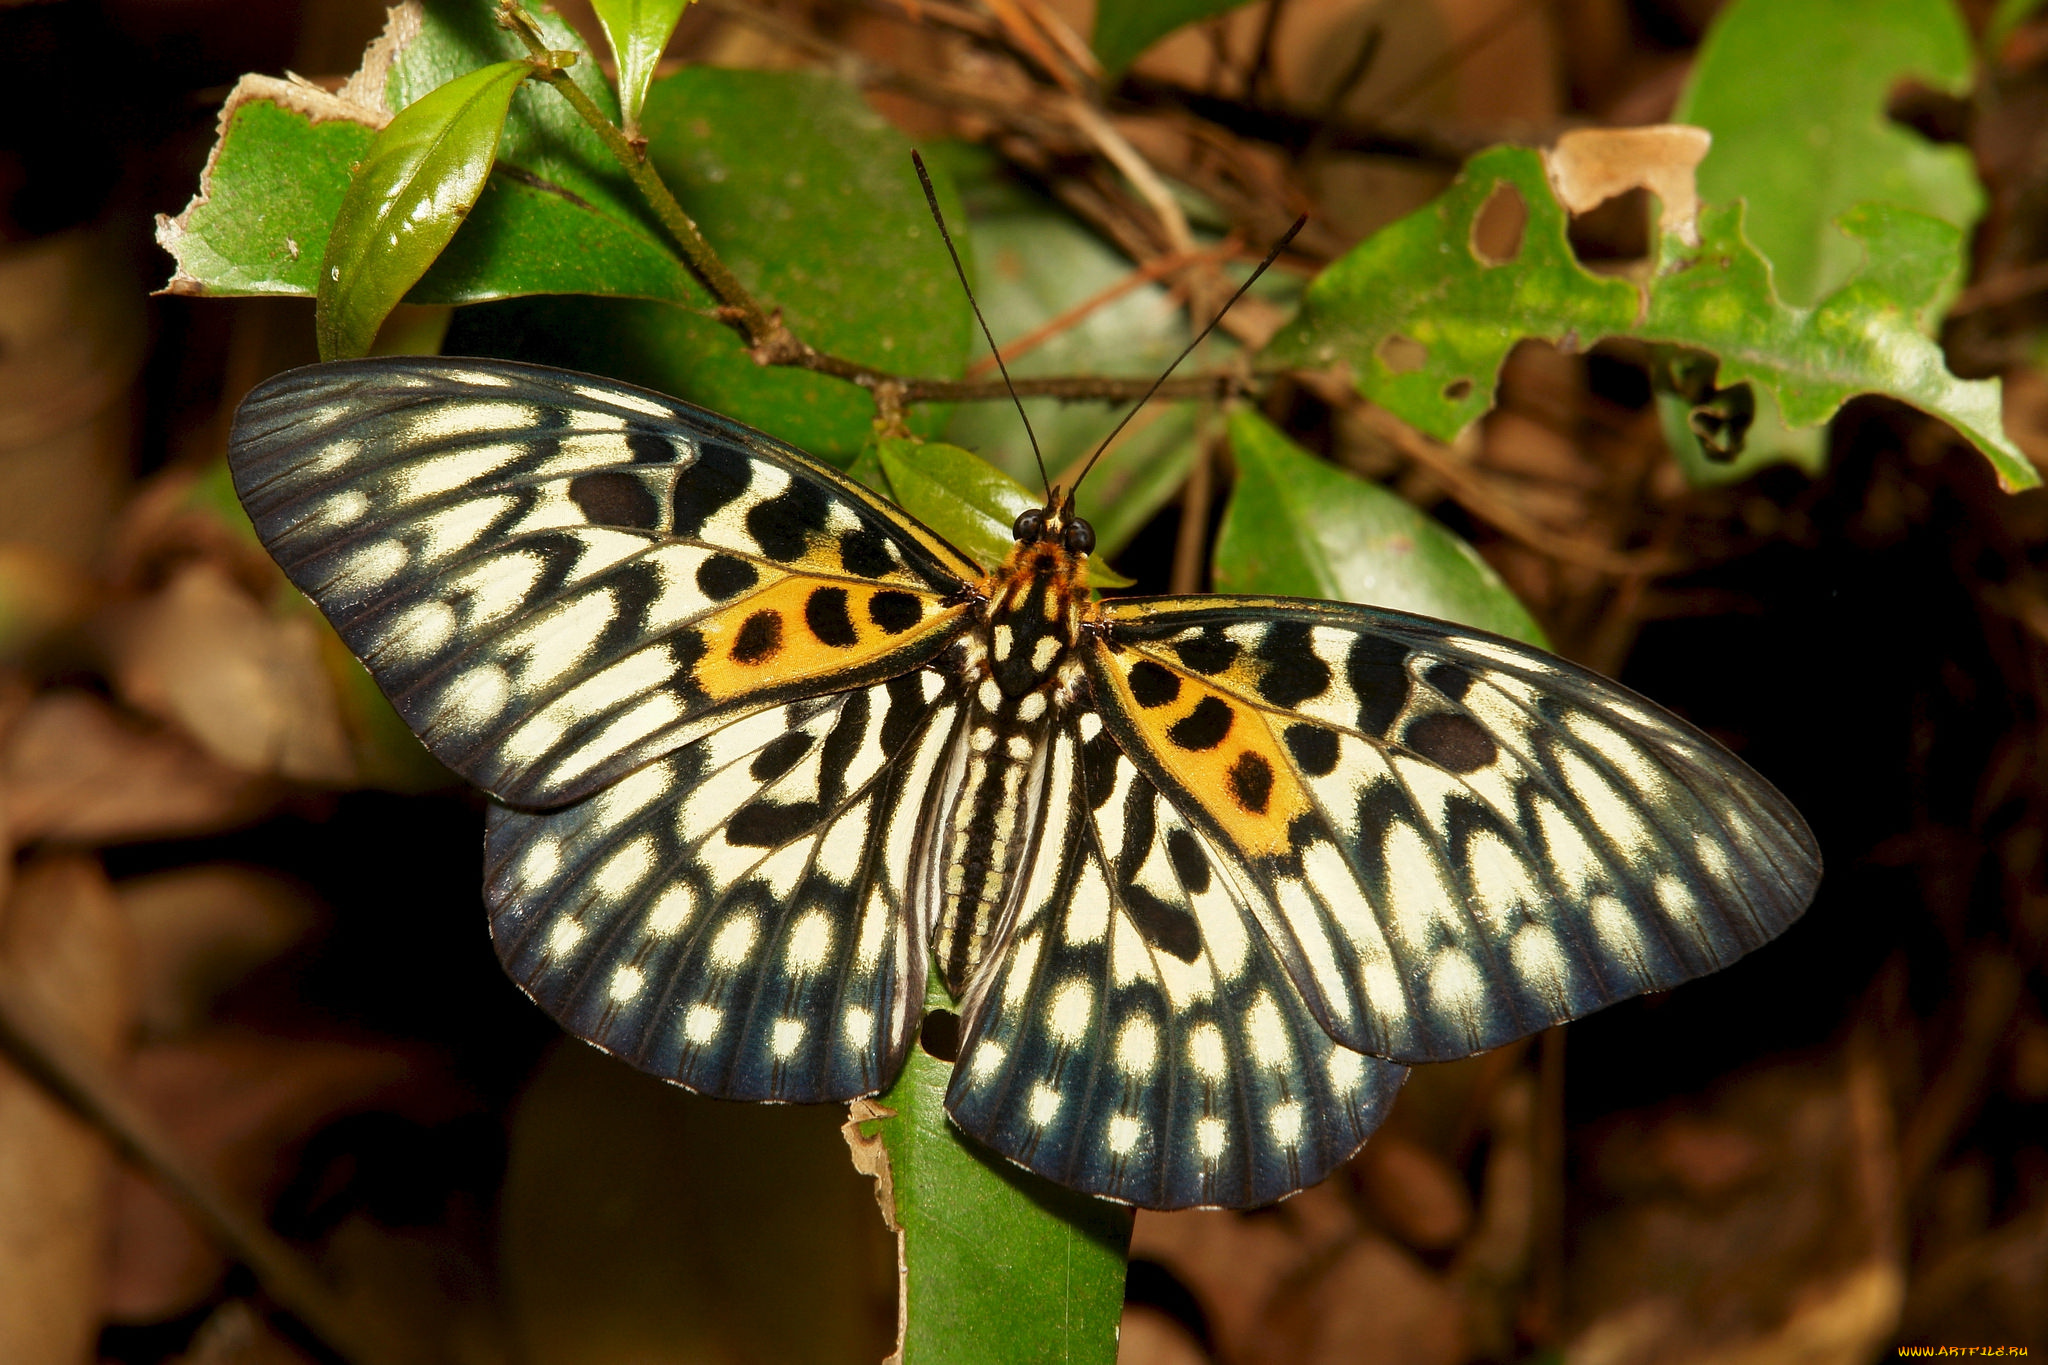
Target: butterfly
column 1205, row 874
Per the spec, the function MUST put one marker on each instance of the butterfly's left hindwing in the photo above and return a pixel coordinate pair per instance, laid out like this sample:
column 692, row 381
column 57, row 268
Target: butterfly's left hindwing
column 557, row 579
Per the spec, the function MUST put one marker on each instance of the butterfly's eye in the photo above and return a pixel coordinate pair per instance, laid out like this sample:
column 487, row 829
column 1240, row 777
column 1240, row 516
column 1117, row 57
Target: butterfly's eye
column 1030, row 526
column 1080, row 537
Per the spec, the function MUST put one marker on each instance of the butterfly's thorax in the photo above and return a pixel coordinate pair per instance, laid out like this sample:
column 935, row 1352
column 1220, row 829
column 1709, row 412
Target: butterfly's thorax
column 1021, row 672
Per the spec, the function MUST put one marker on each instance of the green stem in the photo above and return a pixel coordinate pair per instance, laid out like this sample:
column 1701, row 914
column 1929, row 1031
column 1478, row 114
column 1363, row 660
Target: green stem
column 771, row 342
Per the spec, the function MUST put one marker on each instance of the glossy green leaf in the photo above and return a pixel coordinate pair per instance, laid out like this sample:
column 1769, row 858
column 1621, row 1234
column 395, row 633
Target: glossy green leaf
column 1125, row 28
column 1423, row 322
column 1300, row 527
column 810, row 198
column 544, row 136
column 1794, row 92
column 638, row 31
column 965, row 499
column 268, row 202
column 1003, row 1268
column 407, row 197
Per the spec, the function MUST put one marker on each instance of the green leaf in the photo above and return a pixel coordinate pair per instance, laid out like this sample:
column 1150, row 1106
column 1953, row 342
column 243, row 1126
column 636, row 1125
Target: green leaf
column 965, row 499
column 809, row 197
column 407, row 197
column 268, row 201
column 544, row 135
column 1423, row 322
column 1001, row 1266
column 1125, row 28
column 1300, row 527
column 1794, row 92
column 638, row 31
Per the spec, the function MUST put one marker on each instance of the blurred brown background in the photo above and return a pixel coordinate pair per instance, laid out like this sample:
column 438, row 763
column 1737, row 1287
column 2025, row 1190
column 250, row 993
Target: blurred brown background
column 256, row 921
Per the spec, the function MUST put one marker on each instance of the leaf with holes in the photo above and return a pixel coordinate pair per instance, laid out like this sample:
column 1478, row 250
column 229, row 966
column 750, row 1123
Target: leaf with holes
column 1422, row 316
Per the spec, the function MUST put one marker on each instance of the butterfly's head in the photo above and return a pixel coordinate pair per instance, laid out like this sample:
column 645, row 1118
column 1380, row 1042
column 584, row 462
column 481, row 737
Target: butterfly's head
column 1055, row 524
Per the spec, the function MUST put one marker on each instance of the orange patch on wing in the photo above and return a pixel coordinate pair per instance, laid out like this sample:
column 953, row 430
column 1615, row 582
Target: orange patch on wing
column 1220, row 750
column 797, row 628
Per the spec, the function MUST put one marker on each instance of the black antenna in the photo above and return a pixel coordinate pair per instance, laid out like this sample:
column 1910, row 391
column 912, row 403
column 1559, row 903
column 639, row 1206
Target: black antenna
column 931, row 197
column 1271, row 256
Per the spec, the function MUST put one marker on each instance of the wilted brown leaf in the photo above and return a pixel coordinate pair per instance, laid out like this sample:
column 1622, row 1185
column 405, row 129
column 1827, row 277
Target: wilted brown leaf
column 247, row 683
column 74, row 770
column 198, row 930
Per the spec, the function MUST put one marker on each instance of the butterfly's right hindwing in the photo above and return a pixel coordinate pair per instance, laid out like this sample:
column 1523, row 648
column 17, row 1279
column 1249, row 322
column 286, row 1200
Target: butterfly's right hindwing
column 557, row 578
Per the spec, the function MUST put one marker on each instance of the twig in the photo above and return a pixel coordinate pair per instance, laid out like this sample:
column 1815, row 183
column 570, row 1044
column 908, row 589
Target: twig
column 72, row 1073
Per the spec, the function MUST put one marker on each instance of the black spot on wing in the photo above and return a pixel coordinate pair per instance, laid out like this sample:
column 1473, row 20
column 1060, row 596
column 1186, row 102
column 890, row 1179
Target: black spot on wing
column 1449, row 679
column 784, row 524
column 906, row 710
column 724, row 576
column 1209, row 652
column 895, row 612
column 771, row 824
column 1099, row 757
column 826, row 614
column 1377, row 669
column 1204, row 727
column 865, row 552
column 1293, row 673
column 1251, row 782
column 779, row 755
column 1451, row 740
column 718, row 477
column 759, row 638
column 648, row 448
column 1313, row 747
column 611, row 498
column 1190, row 864
column 1152, row 685
column 1167, row 927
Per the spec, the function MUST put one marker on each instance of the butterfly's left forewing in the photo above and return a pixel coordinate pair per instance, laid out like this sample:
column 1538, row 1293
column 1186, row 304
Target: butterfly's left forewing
column 557, row 579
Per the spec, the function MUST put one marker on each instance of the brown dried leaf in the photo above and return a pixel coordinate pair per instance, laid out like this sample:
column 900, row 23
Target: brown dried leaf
column 239, row 1105
column 1413, row 1193
column 64, row 949
column 199, row 930
column 74, row 770
column 1754, row 1225
column 1374, row 1305
column 248, row 684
